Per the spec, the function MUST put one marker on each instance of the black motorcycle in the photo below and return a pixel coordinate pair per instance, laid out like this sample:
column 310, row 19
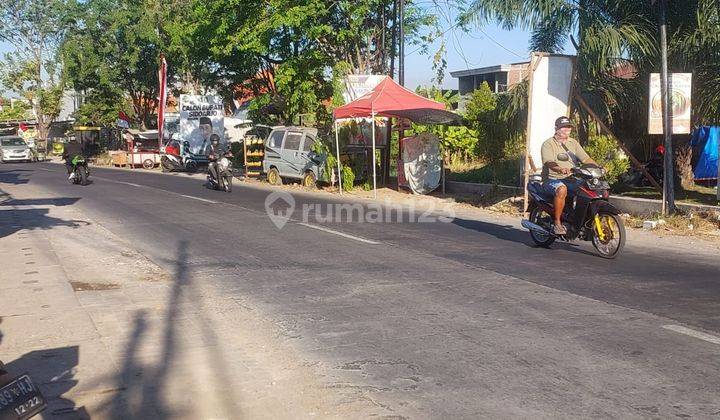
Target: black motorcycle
column 80, row 172
column 587, row 216
column 224, row 170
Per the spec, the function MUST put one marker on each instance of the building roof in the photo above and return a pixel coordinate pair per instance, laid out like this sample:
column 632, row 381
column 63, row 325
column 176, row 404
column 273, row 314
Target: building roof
column 487, row 70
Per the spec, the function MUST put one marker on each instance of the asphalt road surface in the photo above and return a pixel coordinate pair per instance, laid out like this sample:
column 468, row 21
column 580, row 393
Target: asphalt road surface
column 452, row 318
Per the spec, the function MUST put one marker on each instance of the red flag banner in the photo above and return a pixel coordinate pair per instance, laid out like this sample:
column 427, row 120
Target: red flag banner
column 162, row 99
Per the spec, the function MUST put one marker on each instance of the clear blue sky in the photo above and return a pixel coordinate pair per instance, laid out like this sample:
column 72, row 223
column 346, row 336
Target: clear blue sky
column 480, row 47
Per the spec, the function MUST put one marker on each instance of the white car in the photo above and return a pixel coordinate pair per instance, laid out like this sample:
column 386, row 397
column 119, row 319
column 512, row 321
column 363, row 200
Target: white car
column 14, row 149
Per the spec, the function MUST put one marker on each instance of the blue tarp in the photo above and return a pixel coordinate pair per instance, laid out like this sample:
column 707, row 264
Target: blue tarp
column 706, row 139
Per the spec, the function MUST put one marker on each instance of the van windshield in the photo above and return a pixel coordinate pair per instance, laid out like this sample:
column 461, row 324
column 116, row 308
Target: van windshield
column 292, row 141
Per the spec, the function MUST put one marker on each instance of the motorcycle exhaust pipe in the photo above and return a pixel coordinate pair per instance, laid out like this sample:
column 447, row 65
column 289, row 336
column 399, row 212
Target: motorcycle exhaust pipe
column 535, row 227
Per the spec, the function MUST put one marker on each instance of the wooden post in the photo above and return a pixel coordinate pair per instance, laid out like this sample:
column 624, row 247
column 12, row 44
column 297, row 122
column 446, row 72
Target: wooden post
column 605, row 128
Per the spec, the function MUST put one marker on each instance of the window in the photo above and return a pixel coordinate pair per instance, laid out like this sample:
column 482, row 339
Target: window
column 292, row 141
column 307, row 146
column 275, row 139
column 13, row 141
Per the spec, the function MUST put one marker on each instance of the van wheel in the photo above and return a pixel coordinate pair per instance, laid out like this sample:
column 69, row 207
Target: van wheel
column 273, row 177
column 309, row 180
column 148, row 164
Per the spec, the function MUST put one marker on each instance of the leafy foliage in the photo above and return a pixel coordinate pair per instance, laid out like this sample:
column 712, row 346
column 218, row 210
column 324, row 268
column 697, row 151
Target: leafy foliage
column 604, row 151
column 17, row 112
column 111, row 52
column 34, row 28
column 613, row 37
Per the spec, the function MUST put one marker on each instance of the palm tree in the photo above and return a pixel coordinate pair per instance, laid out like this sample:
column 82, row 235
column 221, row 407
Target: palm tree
column 609, row 34
column 605, row 33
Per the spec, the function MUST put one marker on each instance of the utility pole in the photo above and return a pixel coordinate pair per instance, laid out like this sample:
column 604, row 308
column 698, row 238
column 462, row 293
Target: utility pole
column 393, row 49
column 668, row 178
column 401, row 40
column 401, row 69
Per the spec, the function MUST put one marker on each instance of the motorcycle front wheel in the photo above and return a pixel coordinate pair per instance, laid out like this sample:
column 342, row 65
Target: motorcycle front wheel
column 613, row 240
column 228, row 183
column 540, row 217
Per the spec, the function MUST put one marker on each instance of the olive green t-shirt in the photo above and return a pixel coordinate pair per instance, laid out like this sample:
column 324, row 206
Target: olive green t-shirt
column 550, row 150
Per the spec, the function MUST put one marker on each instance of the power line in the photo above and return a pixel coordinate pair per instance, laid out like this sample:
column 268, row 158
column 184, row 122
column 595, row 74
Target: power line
column 481, row 31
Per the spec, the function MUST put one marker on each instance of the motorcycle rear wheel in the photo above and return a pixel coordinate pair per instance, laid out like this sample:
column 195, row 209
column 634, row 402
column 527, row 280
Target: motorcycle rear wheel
column 538, row 217
column 614, row 232
column 82, row 172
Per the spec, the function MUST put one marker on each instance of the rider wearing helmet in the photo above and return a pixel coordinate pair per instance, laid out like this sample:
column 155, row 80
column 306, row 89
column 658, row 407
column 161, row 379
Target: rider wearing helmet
column 214, row 152
column 72, row 148
column 560, row 154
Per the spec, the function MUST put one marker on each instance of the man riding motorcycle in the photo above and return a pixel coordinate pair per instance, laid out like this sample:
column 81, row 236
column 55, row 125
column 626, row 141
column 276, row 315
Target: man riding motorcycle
column 214, row 152
column 72, row 148
column 556, row 172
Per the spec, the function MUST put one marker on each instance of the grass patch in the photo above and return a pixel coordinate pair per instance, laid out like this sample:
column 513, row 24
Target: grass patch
column 693, row 195
column 504, row 172
column 704, row 223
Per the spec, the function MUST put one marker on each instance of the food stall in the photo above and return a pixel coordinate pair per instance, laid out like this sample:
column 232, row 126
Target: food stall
column 390, row 100
column 142, row 150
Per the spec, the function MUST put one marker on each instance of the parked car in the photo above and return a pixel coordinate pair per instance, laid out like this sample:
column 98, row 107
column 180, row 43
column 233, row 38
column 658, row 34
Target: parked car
column 288, row 154
column 14, row 149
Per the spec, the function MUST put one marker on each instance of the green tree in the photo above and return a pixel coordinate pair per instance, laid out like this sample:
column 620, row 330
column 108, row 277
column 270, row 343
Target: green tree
column 18, row 110
column 289, row 54
column 112, row 52
column 34, row 28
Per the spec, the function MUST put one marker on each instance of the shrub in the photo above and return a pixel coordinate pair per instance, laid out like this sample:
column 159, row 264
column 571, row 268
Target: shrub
column 604, row 151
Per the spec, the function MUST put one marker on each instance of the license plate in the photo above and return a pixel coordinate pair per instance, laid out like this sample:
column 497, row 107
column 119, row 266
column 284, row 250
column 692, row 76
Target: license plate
column 20, row 399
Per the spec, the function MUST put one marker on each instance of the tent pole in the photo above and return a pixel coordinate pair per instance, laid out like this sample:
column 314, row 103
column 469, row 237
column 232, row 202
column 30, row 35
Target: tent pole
column 373, row 157
column 337, row 152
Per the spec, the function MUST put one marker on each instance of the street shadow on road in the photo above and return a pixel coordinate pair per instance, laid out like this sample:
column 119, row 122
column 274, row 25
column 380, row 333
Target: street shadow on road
column 512, row 234
column 52, row 370
column 15, row 176
column 145, row 386
column 12, row 221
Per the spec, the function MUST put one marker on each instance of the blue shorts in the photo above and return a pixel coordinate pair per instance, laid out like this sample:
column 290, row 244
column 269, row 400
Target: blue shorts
column 551, row 185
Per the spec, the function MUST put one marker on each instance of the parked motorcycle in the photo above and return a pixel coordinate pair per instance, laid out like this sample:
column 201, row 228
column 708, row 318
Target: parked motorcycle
column 654, row 166
column 177, row 157
column 587, row 216
column 224, row 170
column 20, row 398
column 81, row 172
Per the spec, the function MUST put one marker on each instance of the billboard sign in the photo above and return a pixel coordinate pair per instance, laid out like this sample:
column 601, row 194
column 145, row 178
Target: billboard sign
column 680, row 103
column 200, row 117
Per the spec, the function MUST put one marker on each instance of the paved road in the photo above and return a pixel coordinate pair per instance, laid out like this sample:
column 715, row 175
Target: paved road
column 436, row 320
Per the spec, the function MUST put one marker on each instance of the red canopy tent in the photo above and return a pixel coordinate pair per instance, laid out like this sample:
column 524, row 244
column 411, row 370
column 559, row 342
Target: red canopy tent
column 390, row 100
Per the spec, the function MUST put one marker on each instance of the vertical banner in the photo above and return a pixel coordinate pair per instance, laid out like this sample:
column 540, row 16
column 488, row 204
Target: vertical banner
column 162, row 98
column 549, row 98
column 200, row 118
column 680, row 103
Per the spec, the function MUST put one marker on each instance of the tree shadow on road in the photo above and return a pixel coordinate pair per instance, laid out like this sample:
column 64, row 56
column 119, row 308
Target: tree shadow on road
column 15, row 176
column 59, row 202
column 15, row 220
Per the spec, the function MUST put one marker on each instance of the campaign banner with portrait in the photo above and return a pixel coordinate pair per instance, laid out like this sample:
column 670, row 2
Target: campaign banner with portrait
column 201, row 117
